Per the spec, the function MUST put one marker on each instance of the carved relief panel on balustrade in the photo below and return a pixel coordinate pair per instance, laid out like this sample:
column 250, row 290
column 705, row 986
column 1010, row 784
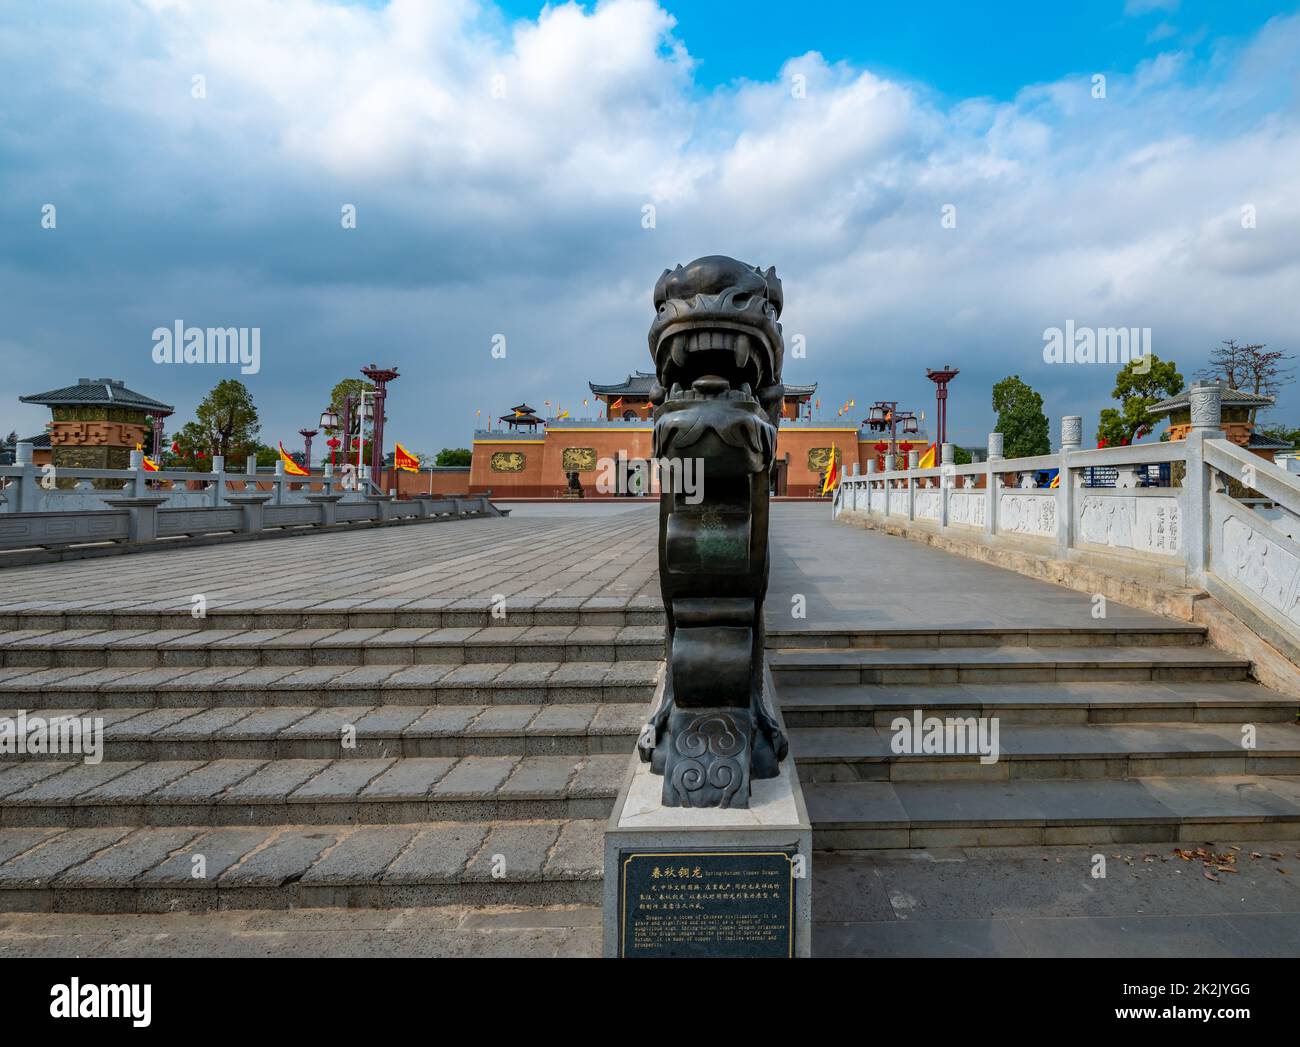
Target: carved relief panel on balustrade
column 1028, row 514
column 1266, row 566
column 967, row 508
column 1141, row 523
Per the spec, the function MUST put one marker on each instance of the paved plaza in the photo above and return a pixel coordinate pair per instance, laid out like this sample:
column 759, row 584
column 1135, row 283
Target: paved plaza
column 601, row 559
column 545, row 555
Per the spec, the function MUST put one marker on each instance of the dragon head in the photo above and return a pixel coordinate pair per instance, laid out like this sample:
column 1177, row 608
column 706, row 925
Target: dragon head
column 716, row 334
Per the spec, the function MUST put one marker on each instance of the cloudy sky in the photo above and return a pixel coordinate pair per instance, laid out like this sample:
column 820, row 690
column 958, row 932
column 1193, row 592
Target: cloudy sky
column 501, row 159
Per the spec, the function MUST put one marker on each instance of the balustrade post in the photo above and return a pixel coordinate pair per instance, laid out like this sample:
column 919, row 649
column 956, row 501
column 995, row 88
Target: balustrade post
column 139, row 484
column 913, row 463
column 1071, row 439
column 279, row 483
column 947, row 463
column 992, row 484
column 1206, row 402
column 26, row 493
column 219, row 487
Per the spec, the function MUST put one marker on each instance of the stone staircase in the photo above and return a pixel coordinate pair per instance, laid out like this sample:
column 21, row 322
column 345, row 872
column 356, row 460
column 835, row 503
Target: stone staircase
column 1106, row 735
column 300, row 759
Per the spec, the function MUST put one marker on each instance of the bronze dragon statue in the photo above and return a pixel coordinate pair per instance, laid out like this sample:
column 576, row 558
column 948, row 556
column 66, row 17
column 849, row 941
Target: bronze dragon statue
column 717, row 348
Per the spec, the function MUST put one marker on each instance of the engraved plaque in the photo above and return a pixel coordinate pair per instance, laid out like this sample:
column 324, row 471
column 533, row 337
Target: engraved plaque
column 818, row 459
column 706, row 903
column 508, row 461
column 578, row 459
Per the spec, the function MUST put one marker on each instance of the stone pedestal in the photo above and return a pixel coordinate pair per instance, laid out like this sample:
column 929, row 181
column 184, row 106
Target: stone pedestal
column 708, row 881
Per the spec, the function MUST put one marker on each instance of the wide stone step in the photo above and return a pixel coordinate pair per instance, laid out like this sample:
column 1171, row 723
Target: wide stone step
column 1006, row 665
column 479, row 683
column 869, row 815
column 203, row 648
column 1095, row 633
column 362, row 731
column 427, row 613
column 401, row 790
column 877, row 705
column 201, row 868
column 847, row 754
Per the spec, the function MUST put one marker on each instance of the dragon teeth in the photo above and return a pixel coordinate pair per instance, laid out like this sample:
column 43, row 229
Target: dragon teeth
column 678, row 349
column 742, row 351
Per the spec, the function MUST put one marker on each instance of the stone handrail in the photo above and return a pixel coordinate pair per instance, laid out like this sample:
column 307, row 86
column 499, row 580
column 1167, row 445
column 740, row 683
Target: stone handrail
column 130, row 522
column 28, row 488
column 1220, row 521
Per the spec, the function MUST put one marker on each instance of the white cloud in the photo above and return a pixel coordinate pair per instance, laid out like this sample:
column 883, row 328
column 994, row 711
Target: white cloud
column 522, row 213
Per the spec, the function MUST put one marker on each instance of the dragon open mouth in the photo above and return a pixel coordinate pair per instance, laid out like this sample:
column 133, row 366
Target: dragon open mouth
column 688, row 353
column 716, row 333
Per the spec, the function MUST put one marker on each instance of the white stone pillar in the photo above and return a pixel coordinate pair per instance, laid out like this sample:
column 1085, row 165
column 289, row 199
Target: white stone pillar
column 139, row 485
column 992, row 483
column 25, row 502
column 913, row 463
column 1206, row 401
column 1071, row 439
column 219, row 479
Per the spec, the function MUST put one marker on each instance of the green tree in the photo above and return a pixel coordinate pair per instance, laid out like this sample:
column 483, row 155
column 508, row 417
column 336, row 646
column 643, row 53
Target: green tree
column 960, row 456
column 1137, row 390
column 1282, row 432
column 229, row 419
column 348, row 387
column 353, row 387
column 453, row 456
column 191, row 449
column 1021, row 420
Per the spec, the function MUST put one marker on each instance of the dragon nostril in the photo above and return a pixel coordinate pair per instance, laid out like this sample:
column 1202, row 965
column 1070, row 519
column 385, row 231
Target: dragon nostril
column 740, row 301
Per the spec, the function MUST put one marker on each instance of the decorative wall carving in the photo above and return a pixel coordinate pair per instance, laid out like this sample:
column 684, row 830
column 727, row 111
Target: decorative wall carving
column 925, row 504
column 968, row 509
column 1259, row 565
column 508, row 461
column 1027, row 514
column 818, row 459
column 578, row 459
column 1147, row 525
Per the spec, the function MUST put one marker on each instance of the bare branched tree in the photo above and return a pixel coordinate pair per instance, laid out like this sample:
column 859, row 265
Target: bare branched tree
column 1251, row 368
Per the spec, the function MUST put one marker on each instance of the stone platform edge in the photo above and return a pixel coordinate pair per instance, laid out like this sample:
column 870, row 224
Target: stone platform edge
column 1232, row 626
column 777, row 818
